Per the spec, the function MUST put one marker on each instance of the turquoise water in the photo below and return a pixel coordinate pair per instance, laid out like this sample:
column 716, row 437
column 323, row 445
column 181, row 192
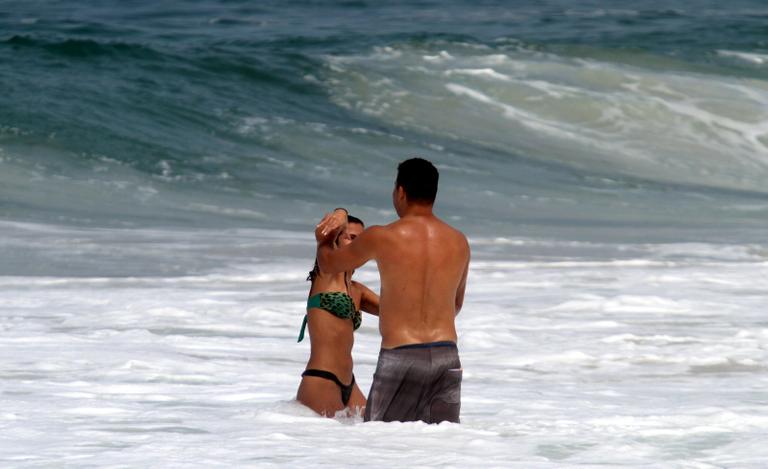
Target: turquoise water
column 162, row 166
column 577, row 120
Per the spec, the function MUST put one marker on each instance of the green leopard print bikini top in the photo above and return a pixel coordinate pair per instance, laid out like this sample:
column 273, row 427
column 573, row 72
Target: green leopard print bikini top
column 340, row 304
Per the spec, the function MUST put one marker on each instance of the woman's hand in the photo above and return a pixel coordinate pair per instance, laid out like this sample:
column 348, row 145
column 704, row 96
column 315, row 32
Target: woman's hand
column 330, row 226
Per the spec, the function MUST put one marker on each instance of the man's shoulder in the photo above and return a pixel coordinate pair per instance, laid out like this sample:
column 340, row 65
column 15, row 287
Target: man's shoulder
column 394, row 227
column 453, row 231
column 375, row 233
column 375, row 230
column 434, row 226
column 458, row 239
column 461, row 238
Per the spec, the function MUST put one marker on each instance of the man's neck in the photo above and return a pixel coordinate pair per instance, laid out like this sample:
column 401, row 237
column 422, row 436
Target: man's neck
column 417, row 210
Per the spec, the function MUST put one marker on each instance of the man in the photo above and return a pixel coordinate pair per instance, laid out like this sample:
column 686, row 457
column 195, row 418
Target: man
column 423, row 263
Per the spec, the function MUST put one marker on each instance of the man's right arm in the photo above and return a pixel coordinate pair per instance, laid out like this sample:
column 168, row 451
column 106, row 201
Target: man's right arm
column 351, row 256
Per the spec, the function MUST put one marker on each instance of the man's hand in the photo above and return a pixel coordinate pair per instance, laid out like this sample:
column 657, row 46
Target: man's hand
column 330, row 226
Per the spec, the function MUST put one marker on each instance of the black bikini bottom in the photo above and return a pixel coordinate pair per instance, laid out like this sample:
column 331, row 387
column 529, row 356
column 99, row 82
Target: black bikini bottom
column 346, row 389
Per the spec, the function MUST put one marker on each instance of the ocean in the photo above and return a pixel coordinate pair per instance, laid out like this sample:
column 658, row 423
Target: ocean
column 163, row 164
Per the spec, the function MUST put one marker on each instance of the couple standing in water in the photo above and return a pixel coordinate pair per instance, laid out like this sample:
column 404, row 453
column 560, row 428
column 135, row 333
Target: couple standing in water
column 423, row 264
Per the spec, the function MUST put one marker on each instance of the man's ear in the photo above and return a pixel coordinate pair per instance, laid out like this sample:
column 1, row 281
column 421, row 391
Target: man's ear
column 401, row 193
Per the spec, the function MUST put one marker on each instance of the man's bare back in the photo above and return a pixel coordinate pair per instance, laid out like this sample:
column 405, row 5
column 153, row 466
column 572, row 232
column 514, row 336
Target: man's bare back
column 423, row 265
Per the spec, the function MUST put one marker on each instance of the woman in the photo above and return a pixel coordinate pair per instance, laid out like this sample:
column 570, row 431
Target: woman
column 333, row 313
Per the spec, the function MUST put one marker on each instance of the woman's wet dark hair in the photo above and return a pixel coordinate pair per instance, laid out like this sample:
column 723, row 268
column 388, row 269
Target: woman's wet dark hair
column 313, row 273
column 316, row 269
column 352, row 219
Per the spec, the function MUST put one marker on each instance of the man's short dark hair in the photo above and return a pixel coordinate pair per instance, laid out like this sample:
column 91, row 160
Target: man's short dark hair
column 418, row 177
column 353, row 219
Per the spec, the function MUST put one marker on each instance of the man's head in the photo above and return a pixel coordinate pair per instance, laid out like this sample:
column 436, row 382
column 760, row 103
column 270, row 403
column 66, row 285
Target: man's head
column 416, row 183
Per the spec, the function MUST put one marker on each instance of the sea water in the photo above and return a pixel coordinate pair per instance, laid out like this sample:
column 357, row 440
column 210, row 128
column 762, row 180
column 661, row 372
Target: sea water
column 162, row 167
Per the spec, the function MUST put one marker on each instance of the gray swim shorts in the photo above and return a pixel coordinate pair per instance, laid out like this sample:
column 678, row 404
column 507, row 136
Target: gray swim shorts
column 416, row 382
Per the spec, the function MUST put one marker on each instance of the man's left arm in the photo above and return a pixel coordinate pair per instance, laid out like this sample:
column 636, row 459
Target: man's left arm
column 459, row 302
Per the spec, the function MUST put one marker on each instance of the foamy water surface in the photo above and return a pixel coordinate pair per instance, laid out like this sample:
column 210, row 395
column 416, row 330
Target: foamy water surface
column 161, row 169
column 575, row 354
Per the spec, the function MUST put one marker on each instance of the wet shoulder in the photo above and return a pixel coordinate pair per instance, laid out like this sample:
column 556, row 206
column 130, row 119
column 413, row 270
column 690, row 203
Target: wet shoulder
column 453, row 233
column 424, row 227
column 376, row 232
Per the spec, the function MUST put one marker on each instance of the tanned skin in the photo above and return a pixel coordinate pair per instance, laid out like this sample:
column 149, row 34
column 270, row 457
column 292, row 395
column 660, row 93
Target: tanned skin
column 332, row 338
column 423, row 264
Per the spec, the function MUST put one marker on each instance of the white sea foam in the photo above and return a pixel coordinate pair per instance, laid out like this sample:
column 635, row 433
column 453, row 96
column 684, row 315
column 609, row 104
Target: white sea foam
column 575, row 355
column 749, row 57
column 479, row 72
